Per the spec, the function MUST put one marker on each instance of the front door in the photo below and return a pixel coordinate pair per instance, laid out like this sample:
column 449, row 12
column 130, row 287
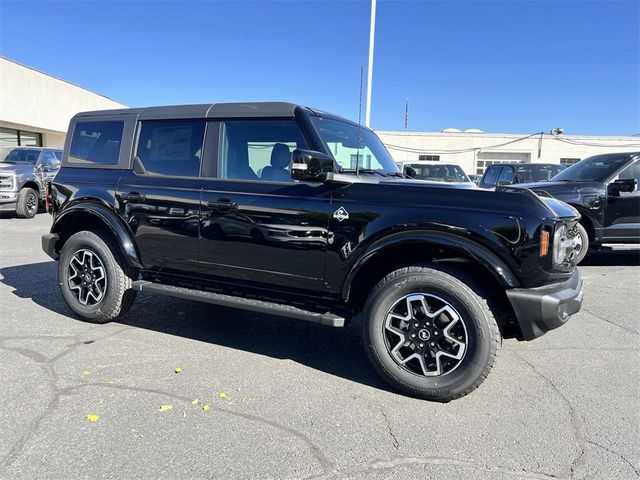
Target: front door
column 622, row 213
column 258, row 226
column 160, row 198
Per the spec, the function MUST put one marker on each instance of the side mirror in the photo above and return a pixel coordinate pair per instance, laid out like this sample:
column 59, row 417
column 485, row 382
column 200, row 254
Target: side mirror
column 410, row 172
column 309, row 165
column 626, row 185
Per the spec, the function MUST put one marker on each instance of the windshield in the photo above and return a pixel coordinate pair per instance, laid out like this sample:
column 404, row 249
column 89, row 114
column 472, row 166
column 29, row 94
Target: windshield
column 439, row 173
column 27, row 156
column 537, row 173
column 351, row 145
column 593, row 169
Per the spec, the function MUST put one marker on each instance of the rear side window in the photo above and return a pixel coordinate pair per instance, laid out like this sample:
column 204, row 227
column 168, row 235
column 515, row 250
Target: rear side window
column 96, row 143
column 491, row 176
column 172, row 148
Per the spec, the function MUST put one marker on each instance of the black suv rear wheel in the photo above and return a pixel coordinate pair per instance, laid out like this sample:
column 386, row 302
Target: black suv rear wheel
column 429, row 333
column 94, row 280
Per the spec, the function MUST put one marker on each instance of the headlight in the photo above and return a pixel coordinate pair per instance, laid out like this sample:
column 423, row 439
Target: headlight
column 563, row 245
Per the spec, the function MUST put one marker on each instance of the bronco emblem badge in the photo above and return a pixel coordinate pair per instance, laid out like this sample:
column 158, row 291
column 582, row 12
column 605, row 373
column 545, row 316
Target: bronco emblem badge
column 341, row 214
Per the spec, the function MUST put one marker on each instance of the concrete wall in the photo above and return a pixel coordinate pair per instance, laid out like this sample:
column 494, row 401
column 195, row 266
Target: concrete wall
column 482, row 147
column 38, row 102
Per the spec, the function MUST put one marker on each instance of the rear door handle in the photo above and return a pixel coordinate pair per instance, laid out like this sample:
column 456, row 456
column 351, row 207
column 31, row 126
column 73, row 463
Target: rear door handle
column 223, row 205
column 133, row 197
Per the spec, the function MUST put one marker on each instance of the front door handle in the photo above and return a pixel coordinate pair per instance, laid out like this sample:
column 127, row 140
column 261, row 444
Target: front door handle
column 223, row 205
column 133, row 197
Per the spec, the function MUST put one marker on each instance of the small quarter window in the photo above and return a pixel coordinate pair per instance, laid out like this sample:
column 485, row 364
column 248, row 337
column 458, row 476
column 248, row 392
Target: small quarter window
column 171, row 147
column 96, row 143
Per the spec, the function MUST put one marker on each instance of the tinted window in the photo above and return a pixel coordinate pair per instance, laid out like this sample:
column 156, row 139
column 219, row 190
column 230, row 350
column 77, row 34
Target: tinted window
column 171, row 148
column 593, row 169
column 506, row 176
column 439, row 173
column 491, row 176
column 58, row 154
column 258, row 149
column 50, row 160
column 537, row 173
column 632, row 171
column 96, row 142
column 22, row 155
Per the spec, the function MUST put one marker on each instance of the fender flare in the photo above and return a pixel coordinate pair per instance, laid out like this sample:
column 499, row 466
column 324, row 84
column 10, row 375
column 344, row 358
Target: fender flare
column 116, row 225
column 464, row 245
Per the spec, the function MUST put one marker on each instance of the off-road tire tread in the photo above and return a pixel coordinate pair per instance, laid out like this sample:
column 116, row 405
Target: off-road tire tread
column 124, row 296
column 21, row 205
column 463, row 281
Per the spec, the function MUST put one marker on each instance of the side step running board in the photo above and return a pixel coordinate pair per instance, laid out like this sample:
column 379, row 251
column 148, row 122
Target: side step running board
column 328, row 319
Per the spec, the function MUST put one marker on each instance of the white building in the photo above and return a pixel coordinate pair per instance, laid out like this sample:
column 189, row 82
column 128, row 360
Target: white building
column 475, row 150
column 35, row 108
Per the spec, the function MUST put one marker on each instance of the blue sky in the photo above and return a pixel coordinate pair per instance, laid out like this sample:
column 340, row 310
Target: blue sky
column 502, row 66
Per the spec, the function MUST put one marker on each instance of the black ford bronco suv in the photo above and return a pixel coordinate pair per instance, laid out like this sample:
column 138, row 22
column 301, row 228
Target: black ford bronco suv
column 279, row 208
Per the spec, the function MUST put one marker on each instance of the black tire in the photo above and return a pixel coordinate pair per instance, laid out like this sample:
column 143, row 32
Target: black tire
column 28, row 202
column 439, row 283
column 581, row 232
column 117, row 296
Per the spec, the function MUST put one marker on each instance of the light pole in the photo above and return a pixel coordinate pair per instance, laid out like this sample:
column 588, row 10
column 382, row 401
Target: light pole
column 372, row 31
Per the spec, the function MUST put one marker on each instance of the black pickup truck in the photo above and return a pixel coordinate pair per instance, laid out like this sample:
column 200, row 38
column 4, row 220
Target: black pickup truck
column 604, row 189
column 280, row 208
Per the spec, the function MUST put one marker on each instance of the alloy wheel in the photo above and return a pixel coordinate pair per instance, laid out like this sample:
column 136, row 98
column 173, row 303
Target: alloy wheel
column 32, row 203
column 87, row 277
column 425, row 335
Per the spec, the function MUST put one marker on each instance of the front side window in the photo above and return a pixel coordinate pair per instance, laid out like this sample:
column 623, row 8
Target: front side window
column 506, row 176
column 353, row 145
column 49, row 160
column 25, row 156
column 537, row 173
column 171, row 147
column 258, row 149
column 96, row 142
column 491, row 176
column 631, row 172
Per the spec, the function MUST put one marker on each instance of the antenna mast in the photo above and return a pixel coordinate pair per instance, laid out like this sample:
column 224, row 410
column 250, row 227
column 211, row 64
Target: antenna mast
column 359, row 122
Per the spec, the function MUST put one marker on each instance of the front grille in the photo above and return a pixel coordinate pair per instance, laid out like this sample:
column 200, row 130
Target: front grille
column 6, row 182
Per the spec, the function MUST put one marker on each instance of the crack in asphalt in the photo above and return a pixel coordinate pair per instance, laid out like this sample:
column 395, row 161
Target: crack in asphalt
column 626, row 329
column 381, row 465
column 53, row 378
column 618, row 454
column 576, row 421
column 396, row 444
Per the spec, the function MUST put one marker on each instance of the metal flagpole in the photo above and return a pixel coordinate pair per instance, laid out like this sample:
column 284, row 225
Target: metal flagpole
column 372, row 31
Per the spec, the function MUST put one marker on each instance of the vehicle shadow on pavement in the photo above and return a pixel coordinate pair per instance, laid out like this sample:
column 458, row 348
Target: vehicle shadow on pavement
column 608, row 257
column 336, row 351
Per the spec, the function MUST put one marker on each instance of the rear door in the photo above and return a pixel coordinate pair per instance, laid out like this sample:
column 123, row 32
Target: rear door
column 259, row 227
column 622, row 212
column 160, row 197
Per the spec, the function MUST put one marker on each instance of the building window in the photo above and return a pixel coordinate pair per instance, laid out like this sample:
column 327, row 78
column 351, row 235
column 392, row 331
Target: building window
column 568, row 161
column 364, row 161
column 430, row 158
column 19, row 138
column 481, row 165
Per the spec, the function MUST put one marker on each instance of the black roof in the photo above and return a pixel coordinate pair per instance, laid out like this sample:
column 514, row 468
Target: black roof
column 215, row 110
column 205, row 110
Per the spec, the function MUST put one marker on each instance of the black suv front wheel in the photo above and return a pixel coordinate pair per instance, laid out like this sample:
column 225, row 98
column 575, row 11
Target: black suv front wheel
column 429, row 333
column 95, row 282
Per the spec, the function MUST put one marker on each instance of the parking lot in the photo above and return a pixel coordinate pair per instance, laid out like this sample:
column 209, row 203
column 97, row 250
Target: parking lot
column 181, row 388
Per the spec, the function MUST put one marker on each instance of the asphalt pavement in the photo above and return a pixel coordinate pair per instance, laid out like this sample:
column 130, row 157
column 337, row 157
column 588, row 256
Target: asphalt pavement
column 182, row 389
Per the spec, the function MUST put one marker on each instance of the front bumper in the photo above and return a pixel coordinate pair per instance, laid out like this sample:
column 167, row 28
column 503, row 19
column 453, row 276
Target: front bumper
column 541, row 309
column 8, row 201
column 49, row 241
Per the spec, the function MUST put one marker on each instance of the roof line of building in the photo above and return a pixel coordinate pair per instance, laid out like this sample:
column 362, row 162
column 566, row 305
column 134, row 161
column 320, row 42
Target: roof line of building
column 61, row 80
column 634, row 138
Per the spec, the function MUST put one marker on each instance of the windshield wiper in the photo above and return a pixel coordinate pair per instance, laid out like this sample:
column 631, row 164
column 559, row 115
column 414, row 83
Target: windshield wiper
column 396, row 174
column 362, row 170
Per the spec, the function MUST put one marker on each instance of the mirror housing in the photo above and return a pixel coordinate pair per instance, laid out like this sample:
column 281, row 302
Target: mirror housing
column 410, row 171
column 310, row 166
column 626, row 185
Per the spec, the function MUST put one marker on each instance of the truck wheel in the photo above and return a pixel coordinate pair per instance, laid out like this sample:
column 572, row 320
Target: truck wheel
column 582, row 243
column 27, row 205
column 94, row 280
column 429, row 333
